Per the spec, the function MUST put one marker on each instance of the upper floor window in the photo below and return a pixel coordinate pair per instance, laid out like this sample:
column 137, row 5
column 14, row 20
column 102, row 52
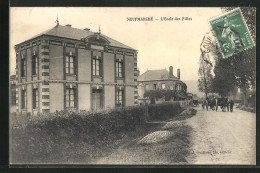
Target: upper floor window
column 23, row 99
column 35, row 98
column 163, row 86
column 23, row 67
column 34, row 65
column 119, row 68
column 178, row 87
column 146, row 87
column 70, row 65
column 70, row 97
column 96, row 67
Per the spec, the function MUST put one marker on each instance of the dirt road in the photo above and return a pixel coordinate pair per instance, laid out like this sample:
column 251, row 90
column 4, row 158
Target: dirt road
column 223, row 137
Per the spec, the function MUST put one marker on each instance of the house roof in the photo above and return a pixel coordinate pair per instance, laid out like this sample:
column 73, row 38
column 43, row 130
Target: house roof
column 77, row 34
column 151, row 75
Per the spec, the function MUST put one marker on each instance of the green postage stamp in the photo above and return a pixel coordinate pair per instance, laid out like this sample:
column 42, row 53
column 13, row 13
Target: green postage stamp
column 231, row 32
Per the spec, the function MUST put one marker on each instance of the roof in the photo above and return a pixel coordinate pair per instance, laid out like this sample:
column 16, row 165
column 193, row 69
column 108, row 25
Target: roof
column 151, row 75
column 77, row 34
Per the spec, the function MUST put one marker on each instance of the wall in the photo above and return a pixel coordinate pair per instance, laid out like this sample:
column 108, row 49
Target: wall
column 109, row 67
column 29, row 98
column 56, row 96
column 129, row 69
column 84, row 65
column 109, row 96
column 84, row 97
column 56, row 62
column 129, row 96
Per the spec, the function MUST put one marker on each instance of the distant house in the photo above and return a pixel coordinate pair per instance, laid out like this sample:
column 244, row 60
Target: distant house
column 66, row 68
column 161, row 80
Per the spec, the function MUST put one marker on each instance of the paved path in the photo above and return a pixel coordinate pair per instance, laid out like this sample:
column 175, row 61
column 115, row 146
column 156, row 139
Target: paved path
column 223, row 137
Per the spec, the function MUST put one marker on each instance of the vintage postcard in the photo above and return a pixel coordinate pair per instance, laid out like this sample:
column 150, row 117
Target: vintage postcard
column 132, row 86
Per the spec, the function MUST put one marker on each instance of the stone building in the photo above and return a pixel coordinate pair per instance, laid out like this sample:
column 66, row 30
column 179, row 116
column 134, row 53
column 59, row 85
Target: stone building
column 74, row 69
column 161, row 80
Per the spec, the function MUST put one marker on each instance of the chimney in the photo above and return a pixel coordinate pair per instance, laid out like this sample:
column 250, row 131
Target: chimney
column 86, row 29
column 170, row 72
column 68, row 25
column 178, row 73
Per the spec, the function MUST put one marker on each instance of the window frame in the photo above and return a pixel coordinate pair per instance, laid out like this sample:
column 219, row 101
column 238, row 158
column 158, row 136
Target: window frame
column 96, row 71
column 35, row 70
column 23, row 67
column 13, row 97
column 68, row 98
column 70, row 65
column 119, row 68
column 23, row 99
column 163, row 84
column 35, row 98
column 119, row 97
column 155, row 87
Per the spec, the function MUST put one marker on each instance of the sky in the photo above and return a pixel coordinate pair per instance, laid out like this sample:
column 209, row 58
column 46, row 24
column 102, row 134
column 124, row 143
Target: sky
column 160, row 44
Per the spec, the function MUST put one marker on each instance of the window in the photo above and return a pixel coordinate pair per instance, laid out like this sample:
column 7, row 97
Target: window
column 70, row 98
column 119, row 97
column 35, row 98
column 96, row 67
column 13, row 97
column 154, row 86
column 23, row 99
column 163, row 86
column 23, row 67
column 119, row 69
column 34, row 65
column 70, row 65
column 146, row 87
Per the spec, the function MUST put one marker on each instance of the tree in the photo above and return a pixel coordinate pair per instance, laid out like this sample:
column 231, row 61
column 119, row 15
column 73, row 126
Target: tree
column 205, row 76
column 224, row 81
column 243, row 65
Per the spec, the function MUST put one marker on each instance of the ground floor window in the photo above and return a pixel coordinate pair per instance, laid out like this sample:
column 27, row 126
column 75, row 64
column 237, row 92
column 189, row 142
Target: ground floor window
column 23, row 99
column 35, row 98
column 70, row 98
column 119, row 97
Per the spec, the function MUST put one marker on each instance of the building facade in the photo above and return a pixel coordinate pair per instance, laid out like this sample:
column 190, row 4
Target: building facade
column 161, row 80
column 74, row 69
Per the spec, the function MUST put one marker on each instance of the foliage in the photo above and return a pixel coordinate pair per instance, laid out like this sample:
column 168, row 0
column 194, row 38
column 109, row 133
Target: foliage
column 70, row 137
column 163, row 111
column 240, row 67
column 224, row 81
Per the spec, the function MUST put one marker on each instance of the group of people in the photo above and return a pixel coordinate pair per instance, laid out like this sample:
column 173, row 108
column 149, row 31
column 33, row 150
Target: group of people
column 214, row 103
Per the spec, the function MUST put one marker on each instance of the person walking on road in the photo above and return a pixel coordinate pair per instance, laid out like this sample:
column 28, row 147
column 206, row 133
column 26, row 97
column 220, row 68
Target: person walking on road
column 231, row 104
column 202, row 104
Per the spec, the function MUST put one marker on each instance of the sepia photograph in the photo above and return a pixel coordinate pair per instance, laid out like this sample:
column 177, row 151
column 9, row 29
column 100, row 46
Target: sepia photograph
column 132, row 86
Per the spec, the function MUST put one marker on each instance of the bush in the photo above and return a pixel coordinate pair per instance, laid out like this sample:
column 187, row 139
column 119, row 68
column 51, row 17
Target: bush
column 164, row 111
column 53, row 137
